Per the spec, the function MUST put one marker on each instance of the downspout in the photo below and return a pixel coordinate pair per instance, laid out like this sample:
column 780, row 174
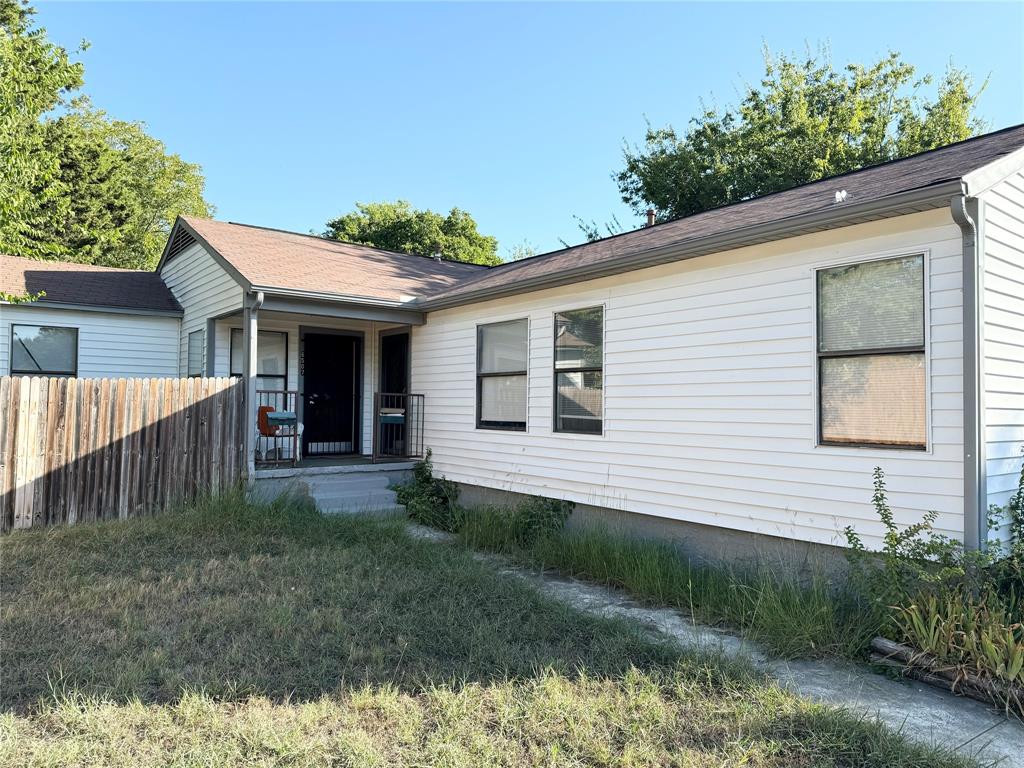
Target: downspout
column 965, row 210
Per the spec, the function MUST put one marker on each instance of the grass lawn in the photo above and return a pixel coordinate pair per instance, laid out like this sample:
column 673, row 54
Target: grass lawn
column 790, row 617
column 243, row 635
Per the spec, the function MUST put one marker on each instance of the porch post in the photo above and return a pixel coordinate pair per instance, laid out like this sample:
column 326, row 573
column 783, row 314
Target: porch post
column 250, row 326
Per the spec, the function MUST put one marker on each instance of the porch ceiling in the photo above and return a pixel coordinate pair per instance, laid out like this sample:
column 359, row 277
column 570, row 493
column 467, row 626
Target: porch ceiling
column 342, row 310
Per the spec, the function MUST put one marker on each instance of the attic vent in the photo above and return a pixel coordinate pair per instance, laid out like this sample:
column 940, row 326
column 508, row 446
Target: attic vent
column 182, row 240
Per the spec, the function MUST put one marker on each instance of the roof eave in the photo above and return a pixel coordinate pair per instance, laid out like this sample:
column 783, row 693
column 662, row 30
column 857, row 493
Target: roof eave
column 340, row 298
column 913, row 201
column 111, row 309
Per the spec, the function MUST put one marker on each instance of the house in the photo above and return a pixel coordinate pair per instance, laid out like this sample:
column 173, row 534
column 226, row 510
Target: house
column 728, row 376
column 91, row 322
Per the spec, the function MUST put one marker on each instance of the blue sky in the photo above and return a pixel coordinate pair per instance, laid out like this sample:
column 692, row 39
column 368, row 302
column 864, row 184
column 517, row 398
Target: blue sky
column 516, row 113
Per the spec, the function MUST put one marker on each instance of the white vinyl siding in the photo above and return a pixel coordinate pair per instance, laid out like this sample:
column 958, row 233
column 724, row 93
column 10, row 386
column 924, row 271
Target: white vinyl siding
column 110, row 344
column 205, row 290
column 1003, row 323
column 709, row 393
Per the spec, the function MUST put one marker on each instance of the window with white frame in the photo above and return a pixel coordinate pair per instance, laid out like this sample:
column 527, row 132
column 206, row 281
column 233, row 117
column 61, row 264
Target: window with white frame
column 44, row 350
column 196, row 341
column 271, row 358
column 871, row 354
column 501, row 374
column 579, row 371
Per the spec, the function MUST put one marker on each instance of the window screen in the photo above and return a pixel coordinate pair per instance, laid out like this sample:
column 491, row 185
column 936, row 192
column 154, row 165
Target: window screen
column 501, row 375
column 42, row 350
column 195, row 353
column 271, row 358
column 871, row 365
column 579, row 371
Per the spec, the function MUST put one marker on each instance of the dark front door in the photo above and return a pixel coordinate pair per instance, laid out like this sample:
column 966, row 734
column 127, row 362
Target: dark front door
column 331, row 404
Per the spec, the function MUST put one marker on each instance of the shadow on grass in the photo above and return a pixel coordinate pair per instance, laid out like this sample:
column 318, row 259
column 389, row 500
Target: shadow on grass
column 241, row 600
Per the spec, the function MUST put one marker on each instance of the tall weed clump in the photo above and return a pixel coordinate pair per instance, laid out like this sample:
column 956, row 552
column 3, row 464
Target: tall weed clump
column 430, row 500
column 962, row 611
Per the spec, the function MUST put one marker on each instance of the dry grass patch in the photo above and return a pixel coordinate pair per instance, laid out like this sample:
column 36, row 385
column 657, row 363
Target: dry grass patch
column 236, row 634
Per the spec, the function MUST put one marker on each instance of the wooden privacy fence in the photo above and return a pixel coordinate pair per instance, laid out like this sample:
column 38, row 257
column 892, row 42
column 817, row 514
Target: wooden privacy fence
column 73, row 450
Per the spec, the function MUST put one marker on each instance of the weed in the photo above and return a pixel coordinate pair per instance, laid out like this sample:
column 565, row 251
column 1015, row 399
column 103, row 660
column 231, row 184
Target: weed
column 962, row 609
column 431, row 500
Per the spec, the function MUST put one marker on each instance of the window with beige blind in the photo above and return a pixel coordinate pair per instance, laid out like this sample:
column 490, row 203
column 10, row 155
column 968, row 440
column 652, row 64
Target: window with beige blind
column 501, row 369
column 871, row 354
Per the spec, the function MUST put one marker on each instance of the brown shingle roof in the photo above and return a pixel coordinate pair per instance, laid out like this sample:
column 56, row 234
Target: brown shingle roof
column 85, row 284
column 917, row 172
column 270, row 258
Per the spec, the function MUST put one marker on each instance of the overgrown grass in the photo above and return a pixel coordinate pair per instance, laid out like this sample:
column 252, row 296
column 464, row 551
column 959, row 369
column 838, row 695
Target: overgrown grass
column 236, row 634
column 791, row 618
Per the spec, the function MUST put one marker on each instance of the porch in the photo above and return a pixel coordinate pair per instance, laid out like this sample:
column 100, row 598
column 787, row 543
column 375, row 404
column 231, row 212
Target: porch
column 327, row 389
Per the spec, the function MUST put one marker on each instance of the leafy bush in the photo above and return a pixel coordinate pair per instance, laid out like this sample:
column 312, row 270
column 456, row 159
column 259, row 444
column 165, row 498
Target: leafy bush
column 431, row 500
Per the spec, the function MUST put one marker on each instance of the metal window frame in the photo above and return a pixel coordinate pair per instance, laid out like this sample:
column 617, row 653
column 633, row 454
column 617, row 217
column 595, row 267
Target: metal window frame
column 584, row 369
column 907, row 349
column 499, row 426
column 73, row 373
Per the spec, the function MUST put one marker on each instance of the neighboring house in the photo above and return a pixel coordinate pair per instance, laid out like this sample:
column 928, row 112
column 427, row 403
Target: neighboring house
column 739, row 370
column 92, row 321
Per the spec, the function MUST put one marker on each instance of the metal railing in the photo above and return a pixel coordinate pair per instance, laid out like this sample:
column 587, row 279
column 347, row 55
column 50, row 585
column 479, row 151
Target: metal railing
column 397, row 426
column 277, row 427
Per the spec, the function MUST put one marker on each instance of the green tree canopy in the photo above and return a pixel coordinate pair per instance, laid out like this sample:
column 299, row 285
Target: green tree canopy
column 398, row 226
column 36, row 76
column 805, row 121
column 116, row 193
column 76, row 185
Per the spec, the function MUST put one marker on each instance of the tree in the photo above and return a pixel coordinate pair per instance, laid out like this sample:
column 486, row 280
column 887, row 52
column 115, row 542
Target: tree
column 593, row 231
column 35, row 77
column 116, row 193
column 398, row 226
column 75, row 184
column 803, row 122
column 520, row 251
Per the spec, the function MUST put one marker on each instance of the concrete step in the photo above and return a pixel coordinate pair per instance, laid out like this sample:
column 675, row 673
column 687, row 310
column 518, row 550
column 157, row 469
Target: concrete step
column 356, row 500
column 396, row 509
column 346, row 483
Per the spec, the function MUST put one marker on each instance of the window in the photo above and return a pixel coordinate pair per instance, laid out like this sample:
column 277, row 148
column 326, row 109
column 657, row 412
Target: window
column 195, row 353
column 271, row 358
column 871, row 365
column 501, row 363
column 44, row 350
column 579, row 374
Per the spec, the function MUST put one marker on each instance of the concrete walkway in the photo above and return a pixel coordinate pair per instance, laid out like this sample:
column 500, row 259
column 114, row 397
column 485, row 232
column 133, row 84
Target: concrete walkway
column 920, row 712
